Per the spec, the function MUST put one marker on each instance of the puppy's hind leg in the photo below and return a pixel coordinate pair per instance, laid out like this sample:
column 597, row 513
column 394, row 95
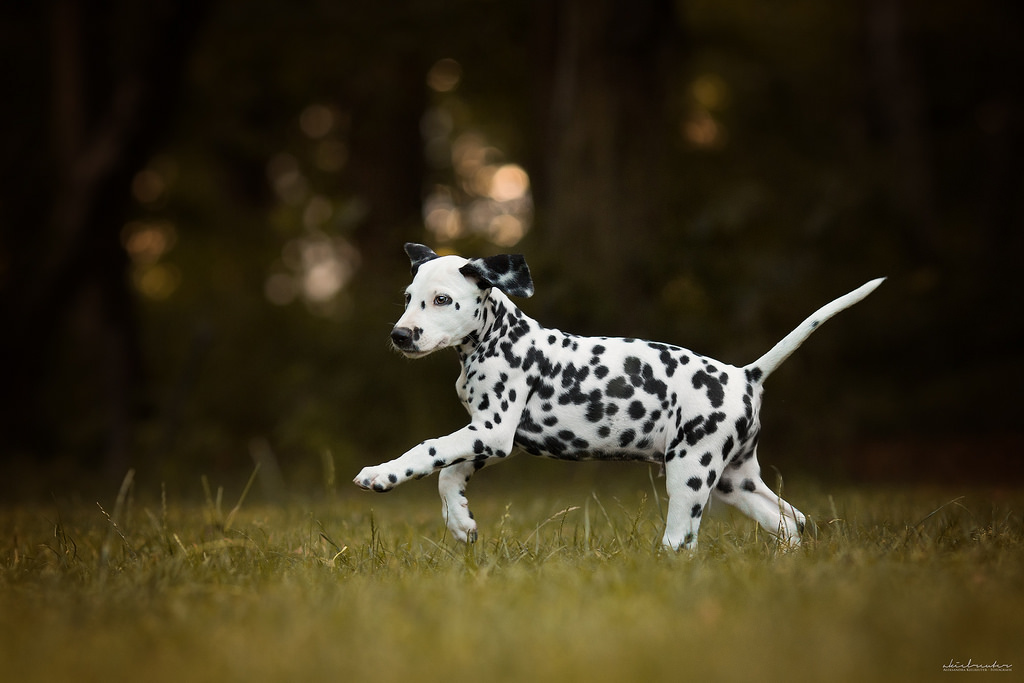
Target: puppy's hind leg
column 743, row 488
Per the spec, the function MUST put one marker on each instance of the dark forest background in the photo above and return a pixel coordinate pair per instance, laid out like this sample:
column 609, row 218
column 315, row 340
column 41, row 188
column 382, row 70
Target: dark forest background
column 203, row 204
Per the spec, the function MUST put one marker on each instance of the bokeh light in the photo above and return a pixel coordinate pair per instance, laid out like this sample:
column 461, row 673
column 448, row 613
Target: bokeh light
column 702, row 127
column 444, row 75
column 316, row 120
column 147, row 242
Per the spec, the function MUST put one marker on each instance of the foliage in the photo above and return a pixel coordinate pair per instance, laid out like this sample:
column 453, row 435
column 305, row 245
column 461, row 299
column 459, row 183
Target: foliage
column 564, row 584
column 204, row 203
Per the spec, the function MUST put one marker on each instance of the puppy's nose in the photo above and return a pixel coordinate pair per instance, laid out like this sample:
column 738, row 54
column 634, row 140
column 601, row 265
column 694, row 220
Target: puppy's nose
column 402, row 338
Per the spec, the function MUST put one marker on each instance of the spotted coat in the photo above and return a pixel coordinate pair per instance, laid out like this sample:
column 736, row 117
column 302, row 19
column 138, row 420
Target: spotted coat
column 559, row 395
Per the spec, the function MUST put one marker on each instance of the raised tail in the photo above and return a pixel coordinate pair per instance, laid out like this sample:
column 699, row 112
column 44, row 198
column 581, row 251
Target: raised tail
column 759, row 370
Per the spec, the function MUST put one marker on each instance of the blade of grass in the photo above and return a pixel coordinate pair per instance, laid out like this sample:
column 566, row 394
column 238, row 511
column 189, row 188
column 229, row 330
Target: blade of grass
column 241, row 498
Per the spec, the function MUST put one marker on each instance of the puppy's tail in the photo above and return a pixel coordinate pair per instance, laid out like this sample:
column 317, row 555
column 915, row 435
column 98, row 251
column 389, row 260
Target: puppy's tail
column 759, row 370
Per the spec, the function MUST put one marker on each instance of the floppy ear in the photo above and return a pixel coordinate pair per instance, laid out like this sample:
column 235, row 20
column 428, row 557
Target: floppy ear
column 418, row 255
column 507, row 272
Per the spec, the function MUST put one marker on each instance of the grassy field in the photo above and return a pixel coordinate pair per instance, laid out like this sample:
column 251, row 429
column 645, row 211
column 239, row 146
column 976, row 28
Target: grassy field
column 566, row 584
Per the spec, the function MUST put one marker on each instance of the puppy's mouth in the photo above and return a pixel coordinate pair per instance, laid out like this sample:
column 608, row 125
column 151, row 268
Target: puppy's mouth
column 412, row 352
column 407, row 342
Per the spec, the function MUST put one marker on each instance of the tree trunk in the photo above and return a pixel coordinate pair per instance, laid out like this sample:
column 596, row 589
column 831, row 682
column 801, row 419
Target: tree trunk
column 601, row 188
column 107, row 116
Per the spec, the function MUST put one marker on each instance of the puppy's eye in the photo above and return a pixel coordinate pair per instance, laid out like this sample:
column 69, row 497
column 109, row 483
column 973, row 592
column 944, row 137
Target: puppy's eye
column 442, row 300
column 408, row 298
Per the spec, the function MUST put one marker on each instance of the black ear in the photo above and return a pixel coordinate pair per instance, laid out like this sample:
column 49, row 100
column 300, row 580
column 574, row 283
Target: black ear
column 418, row 255
column 507, row 272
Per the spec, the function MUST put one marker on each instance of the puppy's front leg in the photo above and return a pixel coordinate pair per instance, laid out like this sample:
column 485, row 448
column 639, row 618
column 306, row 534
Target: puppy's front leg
column 471, row 443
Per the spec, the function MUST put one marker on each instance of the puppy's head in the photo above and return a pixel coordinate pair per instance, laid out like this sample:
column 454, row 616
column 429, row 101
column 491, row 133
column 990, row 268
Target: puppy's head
column 444, row 303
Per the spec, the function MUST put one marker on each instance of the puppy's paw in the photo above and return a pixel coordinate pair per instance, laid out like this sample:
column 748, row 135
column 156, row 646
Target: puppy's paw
column 376, row 479
column 461, row 524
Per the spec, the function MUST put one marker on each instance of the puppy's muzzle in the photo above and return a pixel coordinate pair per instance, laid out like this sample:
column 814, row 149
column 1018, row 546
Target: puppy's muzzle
column 404, row 339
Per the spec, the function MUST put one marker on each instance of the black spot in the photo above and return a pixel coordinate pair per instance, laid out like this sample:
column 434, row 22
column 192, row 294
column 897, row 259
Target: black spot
column 716, row 394
column 409, row 472
column 727, row 448
column 619, row 388
column 573, row 375
column 604, row 431
column 668, row 361
column 393, row 478
column 748, row 485
column 511, row 358
column 439, row 463
column 705, row 459
column 527, row 424
column 696, row 511
column 725, row 486
column 694, row 483
column 601, row 371
column 637, row 410
column 699, row 427
column 550, row 421
column 742, row 427
column 543, row 390
column 712, row 475
column 641, row 375
column 753, row 374
column 554, row 446
column 626, row 438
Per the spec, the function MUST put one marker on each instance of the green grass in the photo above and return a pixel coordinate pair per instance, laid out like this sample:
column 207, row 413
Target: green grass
column 566, row 584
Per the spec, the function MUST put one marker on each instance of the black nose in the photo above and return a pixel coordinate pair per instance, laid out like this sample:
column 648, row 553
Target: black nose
column 402, row 338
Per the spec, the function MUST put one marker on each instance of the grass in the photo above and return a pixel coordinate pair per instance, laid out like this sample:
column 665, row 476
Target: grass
column 566, row 583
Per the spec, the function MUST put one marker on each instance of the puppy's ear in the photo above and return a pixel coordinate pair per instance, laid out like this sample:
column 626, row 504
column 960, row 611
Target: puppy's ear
column 507, row 272
column 418, row 255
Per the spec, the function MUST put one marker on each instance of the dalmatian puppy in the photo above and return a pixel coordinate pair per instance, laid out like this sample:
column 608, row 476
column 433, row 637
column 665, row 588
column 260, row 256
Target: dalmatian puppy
column 563, row 396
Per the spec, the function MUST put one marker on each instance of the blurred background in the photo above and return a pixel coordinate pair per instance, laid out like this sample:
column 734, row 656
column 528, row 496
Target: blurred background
column 203, row 206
